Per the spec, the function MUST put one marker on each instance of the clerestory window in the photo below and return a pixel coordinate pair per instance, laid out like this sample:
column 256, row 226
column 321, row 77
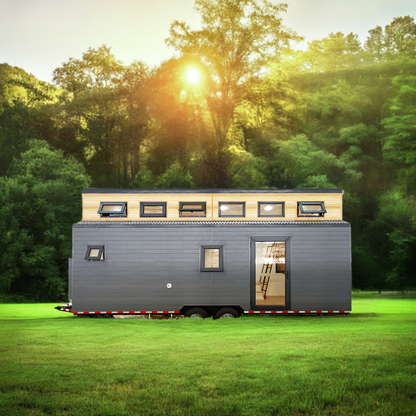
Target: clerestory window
column 192, row 209
column 153, row 209
column 113, row 209
column 311, row 209
column 232, row 209
column 271, row 209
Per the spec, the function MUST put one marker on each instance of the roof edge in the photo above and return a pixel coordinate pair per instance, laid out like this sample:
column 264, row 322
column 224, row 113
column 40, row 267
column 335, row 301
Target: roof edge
column 211, row 191
column 207, row 223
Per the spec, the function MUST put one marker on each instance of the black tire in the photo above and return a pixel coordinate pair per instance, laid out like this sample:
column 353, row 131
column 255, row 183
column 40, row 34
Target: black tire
column 226, row 313
column 197, row 313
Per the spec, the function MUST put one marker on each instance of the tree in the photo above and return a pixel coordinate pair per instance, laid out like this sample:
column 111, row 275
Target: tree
column 40, row 199
column 22, row 99
column 175, row 134
column 134, row 124
column 237, row 39
column 334, row 52
column 375, row 45
column 104, row 108
column 400, row 129
column 390, row 243
column 398, row 40
column 97, row 70
column 400, row 37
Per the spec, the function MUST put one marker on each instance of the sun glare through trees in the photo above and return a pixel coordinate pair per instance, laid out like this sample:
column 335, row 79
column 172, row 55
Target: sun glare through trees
column 193, row 76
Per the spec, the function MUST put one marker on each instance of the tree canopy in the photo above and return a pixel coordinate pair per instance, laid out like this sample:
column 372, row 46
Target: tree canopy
column 40, row 199
column 256, row 113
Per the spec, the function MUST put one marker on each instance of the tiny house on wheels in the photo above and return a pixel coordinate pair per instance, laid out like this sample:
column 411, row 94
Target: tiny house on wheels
column 210, row 253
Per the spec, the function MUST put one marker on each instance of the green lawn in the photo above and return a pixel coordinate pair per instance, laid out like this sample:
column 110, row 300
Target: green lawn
column 364, row 364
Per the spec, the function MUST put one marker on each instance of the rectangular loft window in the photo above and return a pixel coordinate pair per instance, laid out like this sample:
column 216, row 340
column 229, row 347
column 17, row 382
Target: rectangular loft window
column 95, row 253
column 153, row 209
column 311, row 209
column 271, row 209
column 232, row 209
column 192, row 209
column 113, row 209
column 212, row 258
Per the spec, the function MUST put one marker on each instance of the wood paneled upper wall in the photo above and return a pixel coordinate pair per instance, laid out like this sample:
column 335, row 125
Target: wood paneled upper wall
column 91, row 200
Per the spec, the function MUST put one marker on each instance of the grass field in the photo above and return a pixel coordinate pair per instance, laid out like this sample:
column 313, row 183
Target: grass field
column 53, row 363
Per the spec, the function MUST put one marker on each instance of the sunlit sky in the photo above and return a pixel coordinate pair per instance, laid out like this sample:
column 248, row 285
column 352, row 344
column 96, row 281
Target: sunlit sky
column 38, row 35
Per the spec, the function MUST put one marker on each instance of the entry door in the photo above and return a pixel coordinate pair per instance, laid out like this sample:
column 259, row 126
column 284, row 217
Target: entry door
column 270, row 274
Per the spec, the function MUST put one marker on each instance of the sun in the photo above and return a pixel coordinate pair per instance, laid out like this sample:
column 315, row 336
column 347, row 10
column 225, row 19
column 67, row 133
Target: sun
column 193, row 75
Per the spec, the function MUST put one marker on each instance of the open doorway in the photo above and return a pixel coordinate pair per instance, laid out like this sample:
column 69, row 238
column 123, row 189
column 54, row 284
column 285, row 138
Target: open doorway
column 270, row 273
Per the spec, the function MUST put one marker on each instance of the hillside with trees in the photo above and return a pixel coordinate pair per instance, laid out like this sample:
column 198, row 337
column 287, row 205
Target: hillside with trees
column 238, row 106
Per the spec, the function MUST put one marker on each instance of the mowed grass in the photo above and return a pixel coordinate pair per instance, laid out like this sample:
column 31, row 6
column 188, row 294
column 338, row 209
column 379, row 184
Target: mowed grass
column 364, row 364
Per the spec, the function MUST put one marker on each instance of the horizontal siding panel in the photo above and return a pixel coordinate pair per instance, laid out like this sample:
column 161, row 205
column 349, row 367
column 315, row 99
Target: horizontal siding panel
column 178, row 292
column 146, row 262
column 316, row 251
column 165, row 258
column 141, row 278
column 321, row 284
column 149, row 238
column 322, row 268
column 307, row 258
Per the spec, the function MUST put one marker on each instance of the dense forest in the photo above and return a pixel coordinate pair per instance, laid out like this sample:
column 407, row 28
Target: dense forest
column 237, row 106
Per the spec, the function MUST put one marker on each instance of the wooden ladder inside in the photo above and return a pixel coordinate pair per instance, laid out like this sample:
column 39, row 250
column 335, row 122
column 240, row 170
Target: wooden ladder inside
column 263, row 284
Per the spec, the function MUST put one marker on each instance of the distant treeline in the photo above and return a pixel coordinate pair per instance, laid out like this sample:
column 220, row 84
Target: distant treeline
column 257, row 114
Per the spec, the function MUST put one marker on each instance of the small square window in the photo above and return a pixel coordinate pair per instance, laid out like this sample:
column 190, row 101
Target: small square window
column 311, row 209
column 271, row 209
column 192, row 209
column 212, row 258
column 153, row 209
column 232, row 209
column 95, row 253
column 113, row 209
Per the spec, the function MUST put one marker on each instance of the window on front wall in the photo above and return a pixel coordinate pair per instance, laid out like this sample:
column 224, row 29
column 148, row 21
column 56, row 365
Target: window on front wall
column 311, row 209
column 192, row 209
column 113, row 209
column 232, row 209
column 271, row 209
column 153, row 209
column 212, row 258
column 95, row 253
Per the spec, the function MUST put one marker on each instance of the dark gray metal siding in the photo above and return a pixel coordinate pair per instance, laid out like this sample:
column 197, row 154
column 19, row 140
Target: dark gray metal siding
column 141, row 260
column 69, row 279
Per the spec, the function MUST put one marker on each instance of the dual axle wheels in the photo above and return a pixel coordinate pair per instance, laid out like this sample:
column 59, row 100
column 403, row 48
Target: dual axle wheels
column 223, row 313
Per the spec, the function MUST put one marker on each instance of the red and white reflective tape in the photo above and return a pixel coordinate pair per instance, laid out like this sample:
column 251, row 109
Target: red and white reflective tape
column 178, row 312
column 251, row 312
column 123, row 312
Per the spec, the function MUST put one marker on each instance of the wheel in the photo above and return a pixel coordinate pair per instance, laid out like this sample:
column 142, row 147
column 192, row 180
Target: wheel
column 196, row 313
column 226, row 313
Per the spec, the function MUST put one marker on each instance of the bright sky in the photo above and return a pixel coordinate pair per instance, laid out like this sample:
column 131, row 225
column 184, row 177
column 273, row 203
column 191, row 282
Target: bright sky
column 38, row 35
